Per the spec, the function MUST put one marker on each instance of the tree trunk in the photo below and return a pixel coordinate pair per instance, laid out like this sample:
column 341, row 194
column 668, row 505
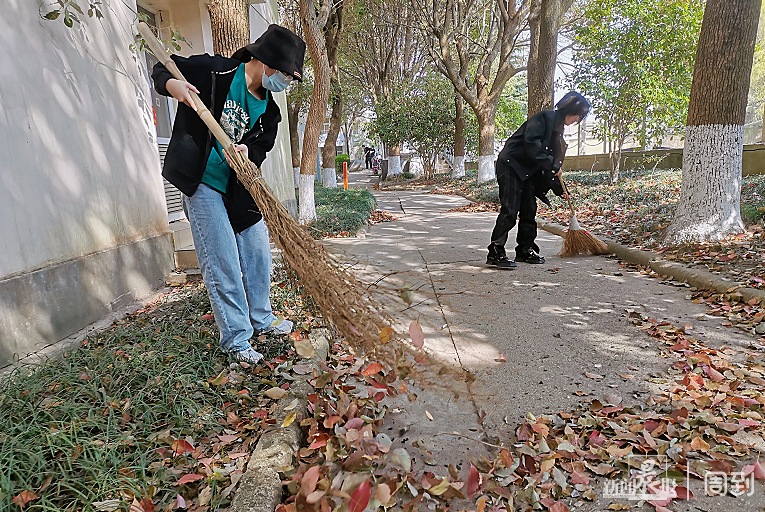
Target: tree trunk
column 328, row 153
column 394, row 160
column 486, row 127
column 616, row 167
column 545, row 17
column 230, row 25
column 458, row 164
column 332, row 34
column 317, row 49
column 710, row 198
column 293, row 117
column 544, row 21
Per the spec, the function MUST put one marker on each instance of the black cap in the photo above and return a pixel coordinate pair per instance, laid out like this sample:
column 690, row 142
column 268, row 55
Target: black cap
column 573, row 104
column 278, row 48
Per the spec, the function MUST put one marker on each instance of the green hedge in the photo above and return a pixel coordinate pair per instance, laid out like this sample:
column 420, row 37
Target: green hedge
column 341, row 212
column 339, row 159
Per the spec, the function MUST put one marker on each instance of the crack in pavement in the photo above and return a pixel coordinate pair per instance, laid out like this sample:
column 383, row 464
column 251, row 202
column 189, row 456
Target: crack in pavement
column 476, row 407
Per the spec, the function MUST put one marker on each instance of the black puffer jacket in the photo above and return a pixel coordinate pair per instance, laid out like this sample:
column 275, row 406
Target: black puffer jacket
column 192, row 142
column 536, row 150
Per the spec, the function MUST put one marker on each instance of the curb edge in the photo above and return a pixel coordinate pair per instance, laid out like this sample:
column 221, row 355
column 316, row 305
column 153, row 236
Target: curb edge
column 695, row 277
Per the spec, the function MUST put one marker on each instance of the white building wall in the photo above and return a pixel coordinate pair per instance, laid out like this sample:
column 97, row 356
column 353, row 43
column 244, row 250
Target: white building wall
column 80, row 184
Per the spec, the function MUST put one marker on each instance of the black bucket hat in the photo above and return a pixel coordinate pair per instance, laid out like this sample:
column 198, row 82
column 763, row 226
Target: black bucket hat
column 573, row 104
column 278, row 48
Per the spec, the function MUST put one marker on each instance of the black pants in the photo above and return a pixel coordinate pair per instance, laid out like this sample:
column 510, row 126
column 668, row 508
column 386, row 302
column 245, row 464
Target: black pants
column 368, row 162
column 518, row 200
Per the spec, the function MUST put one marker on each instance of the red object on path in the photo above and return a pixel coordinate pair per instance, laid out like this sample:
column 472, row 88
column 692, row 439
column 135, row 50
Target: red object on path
column 345, row 175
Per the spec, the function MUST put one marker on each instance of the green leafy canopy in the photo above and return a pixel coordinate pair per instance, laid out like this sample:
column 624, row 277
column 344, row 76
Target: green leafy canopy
column 634, row 61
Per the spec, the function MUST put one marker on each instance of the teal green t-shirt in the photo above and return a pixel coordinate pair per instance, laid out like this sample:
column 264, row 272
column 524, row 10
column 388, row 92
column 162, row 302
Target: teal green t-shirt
column 240, row 112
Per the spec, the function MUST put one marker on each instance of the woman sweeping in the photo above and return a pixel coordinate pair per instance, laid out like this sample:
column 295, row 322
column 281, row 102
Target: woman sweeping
column 528, row 167
column 230, row 237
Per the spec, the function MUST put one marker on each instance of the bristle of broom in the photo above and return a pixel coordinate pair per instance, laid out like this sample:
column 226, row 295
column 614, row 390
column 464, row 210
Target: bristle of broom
column 579, row 241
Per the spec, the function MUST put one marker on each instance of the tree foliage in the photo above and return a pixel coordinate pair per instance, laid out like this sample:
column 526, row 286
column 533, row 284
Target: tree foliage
column 416, row 114
column 634, row 61
column 381, row 48
column 70, row 10
column 511, row 113
column 475, row 45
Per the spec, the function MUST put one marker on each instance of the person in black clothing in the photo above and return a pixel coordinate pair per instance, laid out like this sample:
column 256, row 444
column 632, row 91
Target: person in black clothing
column 230, row 238
column 369, row 154
column 528, row 167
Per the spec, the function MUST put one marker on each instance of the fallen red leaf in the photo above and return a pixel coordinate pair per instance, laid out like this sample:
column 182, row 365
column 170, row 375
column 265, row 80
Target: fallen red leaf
column 24, row 497
column 147, row 505
column 558, row 507
column 415, row 332
column 309, row 481
column 372, row 369
column 756, row 468
column 181, row 446
column 360, row 498
column 474, row 480
column 191, row 477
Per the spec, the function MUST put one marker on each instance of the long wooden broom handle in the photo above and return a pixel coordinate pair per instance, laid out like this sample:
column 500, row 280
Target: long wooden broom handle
column 204, row 113
column 568, row 195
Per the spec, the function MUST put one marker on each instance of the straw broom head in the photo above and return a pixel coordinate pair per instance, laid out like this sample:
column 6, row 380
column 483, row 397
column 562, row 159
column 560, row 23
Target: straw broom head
column 577, row 240
column 580, row 241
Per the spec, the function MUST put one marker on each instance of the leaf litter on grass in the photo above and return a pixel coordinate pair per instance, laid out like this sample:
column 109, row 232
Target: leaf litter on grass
column 146, row 415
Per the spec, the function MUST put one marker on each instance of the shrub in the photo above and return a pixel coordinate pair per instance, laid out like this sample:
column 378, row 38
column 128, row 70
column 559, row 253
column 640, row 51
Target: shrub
column 341, row 212
column 339, row 159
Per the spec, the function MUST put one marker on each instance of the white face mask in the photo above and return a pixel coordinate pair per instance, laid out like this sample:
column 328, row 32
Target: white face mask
column 276, row 82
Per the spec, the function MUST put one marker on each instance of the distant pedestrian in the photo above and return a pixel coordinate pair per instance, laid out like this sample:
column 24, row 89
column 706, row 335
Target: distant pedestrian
column 528, row 167
column 369, row 154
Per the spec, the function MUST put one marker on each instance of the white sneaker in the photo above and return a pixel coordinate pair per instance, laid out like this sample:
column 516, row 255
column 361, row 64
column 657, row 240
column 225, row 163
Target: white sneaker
column 283, row 328
column 249, row 355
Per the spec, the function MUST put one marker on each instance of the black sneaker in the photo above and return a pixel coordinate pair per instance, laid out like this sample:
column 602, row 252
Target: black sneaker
column 498, row 258
column 529, row 256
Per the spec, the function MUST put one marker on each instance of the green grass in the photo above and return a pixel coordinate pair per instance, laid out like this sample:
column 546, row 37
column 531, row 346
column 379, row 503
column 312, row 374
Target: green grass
column 752, row 198
column 86, row 419
column 341, row 212
column 97, row 424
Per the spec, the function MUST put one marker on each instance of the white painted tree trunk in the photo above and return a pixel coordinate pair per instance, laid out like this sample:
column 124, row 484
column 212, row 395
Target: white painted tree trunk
column 307, row 202
column 416, row 167
column 394, row 165
column 458, row 167
column 486, row 168
column 296, row 174
column 330, row 177
column 710, row 199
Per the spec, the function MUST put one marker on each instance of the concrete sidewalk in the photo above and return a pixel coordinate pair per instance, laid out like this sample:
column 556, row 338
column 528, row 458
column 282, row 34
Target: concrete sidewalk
column 528, row 335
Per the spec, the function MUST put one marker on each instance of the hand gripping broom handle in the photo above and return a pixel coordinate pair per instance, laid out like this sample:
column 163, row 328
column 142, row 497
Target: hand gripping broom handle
column 204, row 113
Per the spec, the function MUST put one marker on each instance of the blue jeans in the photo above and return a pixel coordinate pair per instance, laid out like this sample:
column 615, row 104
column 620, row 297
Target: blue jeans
column 236, row 268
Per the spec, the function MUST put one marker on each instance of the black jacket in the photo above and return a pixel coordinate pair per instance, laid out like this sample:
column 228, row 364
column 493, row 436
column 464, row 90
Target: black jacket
column 192, row 142
column 536, row 150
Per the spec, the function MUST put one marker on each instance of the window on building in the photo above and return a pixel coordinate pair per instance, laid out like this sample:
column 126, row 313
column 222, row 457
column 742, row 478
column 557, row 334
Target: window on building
column 161, row 105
